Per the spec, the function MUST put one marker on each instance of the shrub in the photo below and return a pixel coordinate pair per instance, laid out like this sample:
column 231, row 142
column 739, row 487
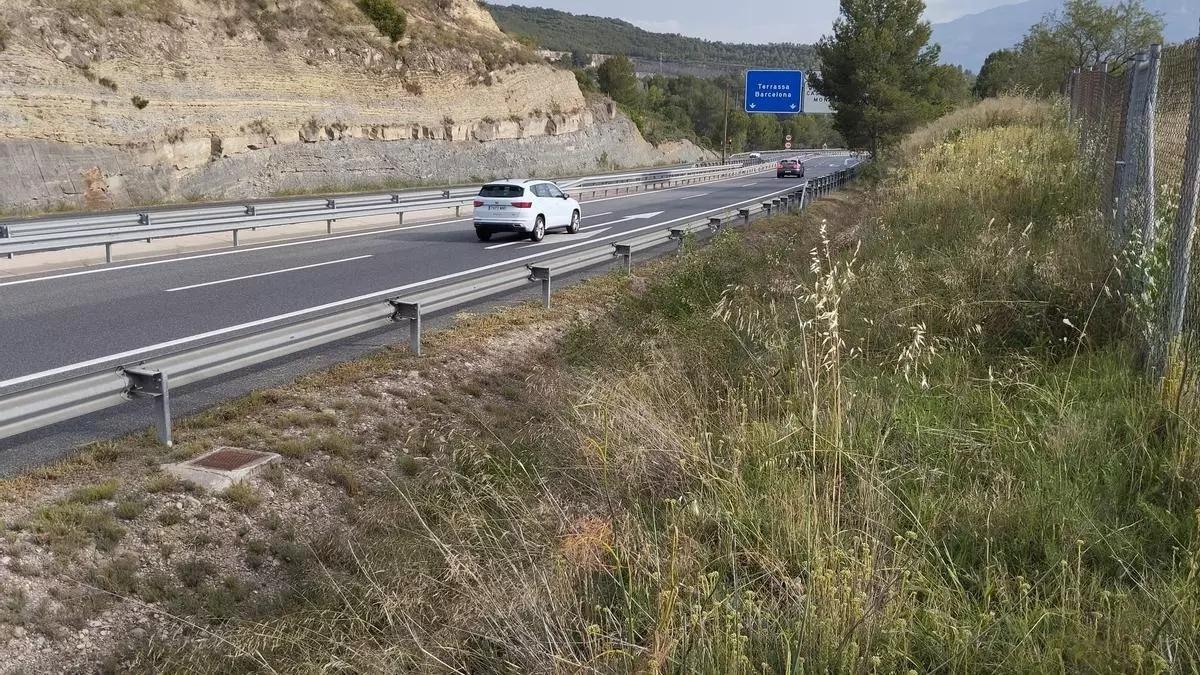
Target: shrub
column 95, row 493
column 242, row 496
column 139, row 102
column 387, row 17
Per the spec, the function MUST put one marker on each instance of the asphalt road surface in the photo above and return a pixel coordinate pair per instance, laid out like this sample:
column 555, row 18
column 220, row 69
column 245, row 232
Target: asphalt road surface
column 66, row 318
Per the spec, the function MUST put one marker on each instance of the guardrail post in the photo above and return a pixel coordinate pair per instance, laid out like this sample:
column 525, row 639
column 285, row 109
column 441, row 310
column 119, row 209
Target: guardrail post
column 250, row 210
column 767, row 208
column 412, row 312
column 399, row 214
column 541, row 274
column 148, row 383
column 714, row 224
column 143, row 219
column 625, row 252
column 235, row 238
column 679, row 235
column 108, row 252
column 745, row 214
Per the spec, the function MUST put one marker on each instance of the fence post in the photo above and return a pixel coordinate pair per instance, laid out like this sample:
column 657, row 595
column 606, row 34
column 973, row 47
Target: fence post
column 1183, row 235
column 1122, row 175
column 1150, row 220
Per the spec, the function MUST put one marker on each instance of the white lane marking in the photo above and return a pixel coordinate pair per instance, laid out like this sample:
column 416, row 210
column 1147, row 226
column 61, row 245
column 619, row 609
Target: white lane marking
column 267, row 274
column 254, row 249
column 702, row 194
column 391, row 291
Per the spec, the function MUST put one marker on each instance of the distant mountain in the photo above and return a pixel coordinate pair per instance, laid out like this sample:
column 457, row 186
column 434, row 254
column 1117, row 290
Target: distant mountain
column 562, row 31
column 968, row 40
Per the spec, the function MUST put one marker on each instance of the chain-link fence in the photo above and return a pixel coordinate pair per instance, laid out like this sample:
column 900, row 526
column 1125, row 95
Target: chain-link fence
column 1141, row 125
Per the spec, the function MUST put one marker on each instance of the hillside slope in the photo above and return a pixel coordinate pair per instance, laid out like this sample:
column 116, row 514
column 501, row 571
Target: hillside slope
column 563, row 31
column 152, row 100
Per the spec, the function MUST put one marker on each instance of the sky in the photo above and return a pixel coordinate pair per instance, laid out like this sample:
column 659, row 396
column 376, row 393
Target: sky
column 768, row 20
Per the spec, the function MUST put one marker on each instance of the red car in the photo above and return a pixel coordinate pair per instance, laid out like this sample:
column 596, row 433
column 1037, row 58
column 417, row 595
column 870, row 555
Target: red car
column 789, row 167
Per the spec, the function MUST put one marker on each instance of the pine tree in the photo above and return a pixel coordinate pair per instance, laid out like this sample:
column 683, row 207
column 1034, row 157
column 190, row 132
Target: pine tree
column 876, row 71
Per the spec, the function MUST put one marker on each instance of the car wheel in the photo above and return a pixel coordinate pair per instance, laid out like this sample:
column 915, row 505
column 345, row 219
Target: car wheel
column 539, row 229
column 779, row 175
column 484, row 235
column 574, row 226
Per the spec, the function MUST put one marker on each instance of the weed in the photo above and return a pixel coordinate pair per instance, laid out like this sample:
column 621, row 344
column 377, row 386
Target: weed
column 192, row 573
column 139, row 102
column 242, row 496
column 70, row 526
column 95, row 493
column 129, row 509
column 344, row 476
column 170, row 516
column 161, row 482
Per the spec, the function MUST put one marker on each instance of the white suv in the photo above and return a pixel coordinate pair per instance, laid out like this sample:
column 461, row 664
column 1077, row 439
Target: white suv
column 525, row 206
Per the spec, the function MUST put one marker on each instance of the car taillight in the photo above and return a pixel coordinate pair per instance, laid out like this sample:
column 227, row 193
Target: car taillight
column 522, row 205
column 478, row 203
column 779, row 165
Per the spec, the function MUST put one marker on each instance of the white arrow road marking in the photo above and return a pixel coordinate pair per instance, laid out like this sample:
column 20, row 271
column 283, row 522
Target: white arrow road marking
column 702, row 194
column 267, row 274
column 640, row 216
column 562, row 238
column 521, row 241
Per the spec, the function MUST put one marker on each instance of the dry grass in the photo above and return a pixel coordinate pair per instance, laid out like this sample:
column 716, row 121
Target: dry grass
column 745, row 472
column 1007, row 111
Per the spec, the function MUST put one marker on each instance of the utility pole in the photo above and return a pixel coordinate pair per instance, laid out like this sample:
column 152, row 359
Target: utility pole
column 725, row 133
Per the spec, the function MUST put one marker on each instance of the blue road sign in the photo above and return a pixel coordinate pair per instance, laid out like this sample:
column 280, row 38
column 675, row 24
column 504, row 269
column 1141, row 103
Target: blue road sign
column 775, row 91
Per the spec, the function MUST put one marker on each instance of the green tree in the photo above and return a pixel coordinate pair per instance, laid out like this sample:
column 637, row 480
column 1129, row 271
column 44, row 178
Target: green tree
column 580, row 58
column 998, row 75
column 877, row 69
column 948, row 87
column 1086, row 35
column 618, row 80
column 387, row 17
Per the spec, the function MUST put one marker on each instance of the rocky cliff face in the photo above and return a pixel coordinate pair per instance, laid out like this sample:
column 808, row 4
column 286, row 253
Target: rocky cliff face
column 111, row 102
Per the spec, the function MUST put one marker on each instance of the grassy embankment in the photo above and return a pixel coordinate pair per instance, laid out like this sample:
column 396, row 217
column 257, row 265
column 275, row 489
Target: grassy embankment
column 789, row 453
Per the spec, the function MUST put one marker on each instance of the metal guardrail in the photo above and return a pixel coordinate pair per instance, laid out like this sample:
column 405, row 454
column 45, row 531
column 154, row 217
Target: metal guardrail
column 40, row 400
column 59, row 233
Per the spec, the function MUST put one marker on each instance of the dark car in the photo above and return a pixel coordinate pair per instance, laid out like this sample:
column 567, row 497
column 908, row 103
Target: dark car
column 789, row 167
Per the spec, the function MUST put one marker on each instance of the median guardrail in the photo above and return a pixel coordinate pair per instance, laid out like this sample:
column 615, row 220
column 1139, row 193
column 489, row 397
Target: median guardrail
column 35, row 401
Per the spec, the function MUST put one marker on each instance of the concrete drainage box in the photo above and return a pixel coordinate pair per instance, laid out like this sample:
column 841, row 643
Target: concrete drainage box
column 218, row 469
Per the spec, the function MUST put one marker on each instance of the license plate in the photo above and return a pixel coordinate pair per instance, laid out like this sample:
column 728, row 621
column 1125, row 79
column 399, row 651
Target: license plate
column 495, row 207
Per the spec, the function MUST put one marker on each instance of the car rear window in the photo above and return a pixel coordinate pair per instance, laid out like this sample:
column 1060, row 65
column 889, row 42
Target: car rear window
column 502, row 191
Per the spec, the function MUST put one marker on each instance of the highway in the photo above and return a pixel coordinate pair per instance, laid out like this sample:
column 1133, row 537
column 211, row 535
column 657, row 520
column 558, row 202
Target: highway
column 62, row 319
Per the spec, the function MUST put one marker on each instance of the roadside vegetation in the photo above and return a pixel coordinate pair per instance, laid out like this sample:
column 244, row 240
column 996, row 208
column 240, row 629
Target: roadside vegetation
column 901, row 432
column 674, row 107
